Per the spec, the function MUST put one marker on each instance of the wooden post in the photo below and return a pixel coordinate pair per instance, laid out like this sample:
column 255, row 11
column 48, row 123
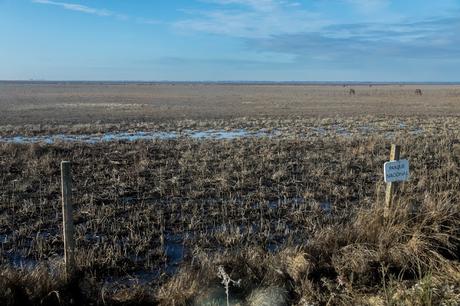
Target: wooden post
column 68, row 230
column 392, row 186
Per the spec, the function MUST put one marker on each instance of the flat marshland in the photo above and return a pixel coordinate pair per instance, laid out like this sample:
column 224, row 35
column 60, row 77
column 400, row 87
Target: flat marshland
column 39, row 103
column 279, row 199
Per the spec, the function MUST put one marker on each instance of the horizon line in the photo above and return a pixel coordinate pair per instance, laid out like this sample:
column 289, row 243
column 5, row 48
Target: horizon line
column 342, row 82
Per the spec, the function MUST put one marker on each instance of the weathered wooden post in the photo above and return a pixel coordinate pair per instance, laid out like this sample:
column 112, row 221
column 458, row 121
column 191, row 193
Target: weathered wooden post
column 391, row 186
column 67, row 217
column 395, row 171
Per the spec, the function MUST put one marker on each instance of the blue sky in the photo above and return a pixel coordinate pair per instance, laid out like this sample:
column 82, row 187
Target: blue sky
column 265, row 40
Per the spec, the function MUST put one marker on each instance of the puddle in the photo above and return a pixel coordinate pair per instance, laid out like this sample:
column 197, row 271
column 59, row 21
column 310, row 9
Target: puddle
column 273, row 247
column 366, row 129
column 326, row 207
column 320, row 130
column 94, row 238
column 129, row 200
column 213, row 134
column 390, row 135
column 3, row 238
column 20, row 262
column 274, row 204
column 108, row 137
column 216, row 134
column 417, row 131
column 341, row 130
column 46, row 234
column 174, row 251
column 135, row 136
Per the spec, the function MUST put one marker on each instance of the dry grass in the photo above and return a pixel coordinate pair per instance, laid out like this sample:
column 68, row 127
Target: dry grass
column 155, row 220
column 75, row 103
column 410, row 260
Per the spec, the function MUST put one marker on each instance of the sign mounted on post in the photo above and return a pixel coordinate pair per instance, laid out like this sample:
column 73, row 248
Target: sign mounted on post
column 396, row 171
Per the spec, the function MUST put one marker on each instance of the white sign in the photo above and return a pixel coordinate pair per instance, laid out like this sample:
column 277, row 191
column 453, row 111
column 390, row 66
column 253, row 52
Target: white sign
column 396, row 171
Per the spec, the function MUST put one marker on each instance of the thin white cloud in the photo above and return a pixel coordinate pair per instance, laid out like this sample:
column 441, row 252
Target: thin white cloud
column 286, row 27
column 369, row 6
column 147, row 21
column 258, row 5
column 98, row 12
column 77, row 7
column 83, row 9
column 428, row 39
column 252, row 18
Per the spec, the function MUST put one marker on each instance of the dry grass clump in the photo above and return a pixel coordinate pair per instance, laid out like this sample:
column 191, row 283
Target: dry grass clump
column 40, row 286
column 127, row 295
column 256, row 271
column 371, row 252
column 297, row 263
column 386, row 259
column 412, row 258
column 271, row 296
column 425, row 239
column 182, row 288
